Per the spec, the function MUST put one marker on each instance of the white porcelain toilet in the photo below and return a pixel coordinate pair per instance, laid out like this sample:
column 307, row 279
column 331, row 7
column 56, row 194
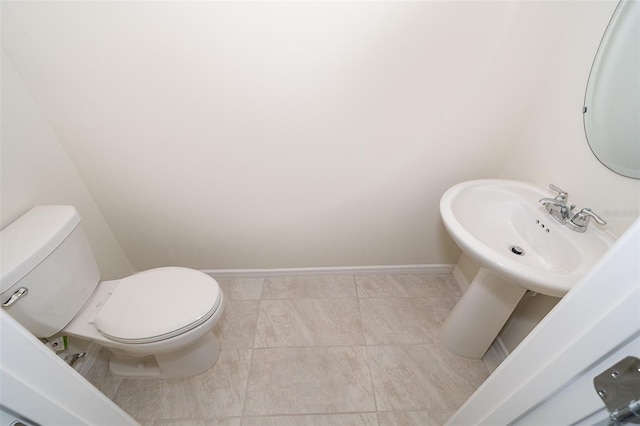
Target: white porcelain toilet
column 156, row 323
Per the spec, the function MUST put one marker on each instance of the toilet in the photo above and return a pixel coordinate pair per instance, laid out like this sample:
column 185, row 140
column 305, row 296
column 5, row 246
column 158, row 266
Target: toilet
column 156, row 323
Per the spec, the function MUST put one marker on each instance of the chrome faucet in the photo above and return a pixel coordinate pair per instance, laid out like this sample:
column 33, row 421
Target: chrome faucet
column 563, row 212
column 557, row 207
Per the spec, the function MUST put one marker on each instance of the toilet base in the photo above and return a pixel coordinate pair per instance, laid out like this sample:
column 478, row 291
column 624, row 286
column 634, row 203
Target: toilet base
column 189, row 361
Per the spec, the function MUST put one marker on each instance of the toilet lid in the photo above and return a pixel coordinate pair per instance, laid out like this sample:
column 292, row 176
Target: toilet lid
column 157, row 304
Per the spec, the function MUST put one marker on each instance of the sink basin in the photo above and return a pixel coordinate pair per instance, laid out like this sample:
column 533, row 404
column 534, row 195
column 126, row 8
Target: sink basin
column 502, row 225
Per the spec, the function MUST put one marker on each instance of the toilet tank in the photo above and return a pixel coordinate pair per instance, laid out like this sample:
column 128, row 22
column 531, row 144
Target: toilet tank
column 46, row 252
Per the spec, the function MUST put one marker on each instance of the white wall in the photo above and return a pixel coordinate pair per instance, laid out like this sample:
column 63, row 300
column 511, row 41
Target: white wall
column 35, row 170
column 292, row 134
column 551, row 146
column 278, row 134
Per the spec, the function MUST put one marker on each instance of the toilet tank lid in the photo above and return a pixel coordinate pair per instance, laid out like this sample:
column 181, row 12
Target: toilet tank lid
column 32, row 237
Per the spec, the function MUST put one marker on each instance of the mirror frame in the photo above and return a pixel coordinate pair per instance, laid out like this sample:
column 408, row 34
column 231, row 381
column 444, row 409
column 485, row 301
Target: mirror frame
column 611, row 110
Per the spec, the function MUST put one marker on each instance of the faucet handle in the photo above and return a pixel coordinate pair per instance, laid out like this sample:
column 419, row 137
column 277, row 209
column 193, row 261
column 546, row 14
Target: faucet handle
column 587, row 213
column 562, row 194
column 580, row 220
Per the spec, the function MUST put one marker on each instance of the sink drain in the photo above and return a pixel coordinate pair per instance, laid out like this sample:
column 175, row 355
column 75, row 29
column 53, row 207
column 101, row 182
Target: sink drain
column 517, row 250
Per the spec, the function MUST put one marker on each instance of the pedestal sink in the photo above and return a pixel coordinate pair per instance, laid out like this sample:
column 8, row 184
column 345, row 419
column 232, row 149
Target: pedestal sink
column 501, row 224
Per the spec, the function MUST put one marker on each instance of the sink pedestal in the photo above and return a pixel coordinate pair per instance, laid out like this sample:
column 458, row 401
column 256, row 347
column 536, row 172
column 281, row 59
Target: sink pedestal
column 475, row 321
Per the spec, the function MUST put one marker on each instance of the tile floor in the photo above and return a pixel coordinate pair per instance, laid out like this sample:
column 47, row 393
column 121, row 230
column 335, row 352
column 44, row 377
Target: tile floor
column 329, row 350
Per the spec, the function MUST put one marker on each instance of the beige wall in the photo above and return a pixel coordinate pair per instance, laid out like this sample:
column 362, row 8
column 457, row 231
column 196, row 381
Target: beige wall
column 279, row 134
column 36, row 170
column 551, row 146
column 292, row 134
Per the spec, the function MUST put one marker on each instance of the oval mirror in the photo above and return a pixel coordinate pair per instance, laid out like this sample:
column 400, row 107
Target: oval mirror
column 612, row 101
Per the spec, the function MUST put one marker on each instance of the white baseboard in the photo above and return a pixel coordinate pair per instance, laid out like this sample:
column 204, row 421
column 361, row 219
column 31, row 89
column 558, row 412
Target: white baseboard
column 462, row 281
column 336, row 270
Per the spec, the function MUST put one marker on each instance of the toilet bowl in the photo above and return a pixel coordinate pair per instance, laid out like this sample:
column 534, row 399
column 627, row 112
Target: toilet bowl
column 156, row 323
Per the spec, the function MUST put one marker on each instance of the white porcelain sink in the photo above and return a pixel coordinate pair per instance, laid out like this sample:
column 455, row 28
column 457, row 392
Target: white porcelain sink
column 488, row 217
column 502, row 225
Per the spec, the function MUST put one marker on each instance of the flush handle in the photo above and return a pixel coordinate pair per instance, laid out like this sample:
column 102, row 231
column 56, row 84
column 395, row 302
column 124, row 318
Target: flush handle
column 15, row 297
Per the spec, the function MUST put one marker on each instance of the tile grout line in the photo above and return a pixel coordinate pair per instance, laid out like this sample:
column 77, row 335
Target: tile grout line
column 310, row 414
column 366, row 352
column 253, row 348
column 246, row 386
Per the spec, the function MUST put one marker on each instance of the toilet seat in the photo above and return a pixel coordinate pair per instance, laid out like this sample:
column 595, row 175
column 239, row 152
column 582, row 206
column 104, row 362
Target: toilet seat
column 158, row 304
